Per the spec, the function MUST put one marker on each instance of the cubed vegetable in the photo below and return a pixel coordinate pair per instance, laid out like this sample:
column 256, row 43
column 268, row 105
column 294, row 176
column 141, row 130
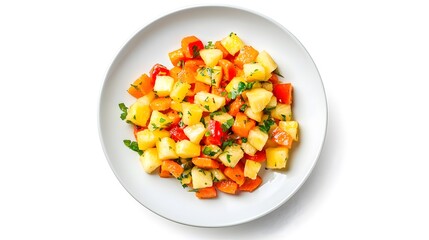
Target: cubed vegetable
column 149, row 160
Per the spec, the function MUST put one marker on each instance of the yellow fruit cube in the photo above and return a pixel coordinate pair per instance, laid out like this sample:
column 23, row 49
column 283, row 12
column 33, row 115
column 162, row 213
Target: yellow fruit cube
column 159, row 121
column 176, row 106
column 258, row 99
column 254, row 71
column 208, row 101
column 195, row 132
column 186, row 177
column 248, row 148
column 212, row 151
column 251, row 169
column 255, row 116
column 149, row 160
column 231, row 155
column 179, row 91
column 282, row 112
column 233, row 84
column 223, row 118
column 267, row 61
column 191, row 113
column 166, row 148
column 201, row 178
column 187, row 149
column 257, row 138
column 211, row 76
column 163, row 85
column 211, row 56
column 277, row 157
column 217, row 175
column 138, row 113
column 291, row 127
column 232, row 43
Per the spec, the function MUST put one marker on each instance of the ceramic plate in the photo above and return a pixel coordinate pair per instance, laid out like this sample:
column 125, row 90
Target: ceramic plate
column 151, row 45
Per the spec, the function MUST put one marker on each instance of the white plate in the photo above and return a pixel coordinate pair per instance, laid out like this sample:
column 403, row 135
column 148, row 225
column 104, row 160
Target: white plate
column 151, row 45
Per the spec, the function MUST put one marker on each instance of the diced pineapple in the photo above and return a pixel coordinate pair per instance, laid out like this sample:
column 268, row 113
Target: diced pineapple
column 267, row 86
column 208, row 101
column 192, row 113
column 201, row 178
column 176, row 106
column 138, row 113
column 212, row 151
column 159, row 121
column 186, row 177
column 147, row 139
column 232, row 43
column 267, row 61
column 257, row 138
column 254, row 71
column 282, row 112
column 147, row 99
column 223, row 117
column 272, row 103
column 195, row 132
column 231, row 155
column 210, row 76
column 179, row 91
column 217, row 175
column 258, row 99
column 248, row 149
column 255, row 116
column 233, row 84
column 277, row 157
column 166, row 148
column 163, row 85
column 149, row 160
column 251, row 169
column 291, row 127
column 187, row 149
column 211, row 56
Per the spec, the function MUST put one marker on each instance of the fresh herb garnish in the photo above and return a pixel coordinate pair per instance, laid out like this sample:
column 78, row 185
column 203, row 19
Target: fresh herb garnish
column 277, row 72
column 133, row 146
column 207, row 107
column 243, row 107
column 208, row 152
column 227, row 143
column 228, row 157
column 227, row 125
column 266, row 125
column 161, row 120
column 244, row 140
column 124, row 110
column 209, row 45
column 195, row 51
column 241, row 87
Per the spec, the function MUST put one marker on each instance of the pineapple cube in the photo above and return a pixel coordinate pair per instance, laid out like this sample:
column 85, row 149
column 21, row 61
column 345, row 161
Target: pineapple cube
column 166, row 148
column 201, row 178
column 233, row 84
column 223, row 118
column 217, row 175
column 138, row 113
column 272, row 103
column 255, row 116
column 147, row 99
column 212, row 151
column 211, row 76
column 163, row 85
column 257, row 138
column 291, row 127
column 195, row 132
column 282, row 112
column 254, row 71
column 232, row 43
column 277, row 157
column 179, row 91
column 208, row 101
column 186, row 177
column 248, row 149
column 251, row 169
column 267, row 86
column 192, row 113
column 147, row 139
column 211, row 56
column 187, row 149
column 158, row 121
column 231, row 155
column 258, row 99
column 176, row 106
column 149, row 160
column 267, row 61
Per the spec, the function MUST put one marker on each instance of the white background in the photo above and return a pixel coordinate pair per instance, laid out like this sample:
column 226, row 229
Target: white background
column 371, row 180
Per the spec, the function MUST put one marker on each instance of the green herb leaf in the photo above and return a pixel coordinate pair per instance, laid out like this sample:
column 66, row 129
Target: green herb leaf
column 124, row 110
column 161, row 120
column 209, row 45
column 277, row 72
column 266, row 125
column 228, row 157
column 208, row 152
column 227, row 125
column 133, row 146
column 243, row 107
column 227, row 143
column 244, row 140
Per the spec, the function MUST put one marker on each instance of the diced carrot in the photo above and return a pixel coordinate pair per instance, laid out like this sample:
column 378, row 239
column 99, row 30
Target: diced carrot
column 191, row 46
column 250, row 185
column 219, row 46
column 246, row 55
column 228, row 69
column 141, row 86
column 174, row 72
column 227, row 186
column 174, row 117
column 173, row 167
column 236, row 173
column 176, row 56
column 235, row 106
column 242, row 124
column 164, row 173
column 206, row 163
column 201, row 87
column 282, row 137
column 160, row 104
column 206, row 193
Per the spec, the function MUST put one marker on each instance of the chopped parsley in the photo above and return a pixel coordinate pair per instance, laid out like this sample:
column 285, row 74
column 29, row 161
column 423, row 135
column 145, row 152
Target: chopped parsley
column 209, row 45
column 161, row 120
column 207, row 107
column 124, row 110
column 244, row 140
column 243, row 107
column 227, row 143
column 227, row 125
column 208, row 152
column 241, row 87
column 266, row 125
column 133, row 146
column 228, row 157
column 277, row 72
column 195, row 51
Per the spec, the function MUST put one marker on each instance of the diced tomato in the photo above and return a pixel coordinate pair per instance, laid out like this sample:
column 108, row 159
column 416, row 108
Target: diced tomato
column 283, row 92
column 216, row 133
column 158, row 70
column 191, row 46
column 177, row 134
column 259, row 156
